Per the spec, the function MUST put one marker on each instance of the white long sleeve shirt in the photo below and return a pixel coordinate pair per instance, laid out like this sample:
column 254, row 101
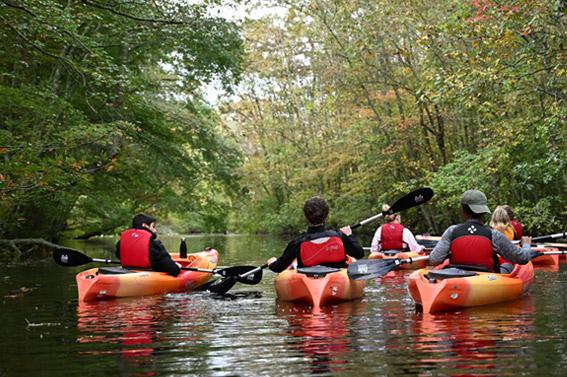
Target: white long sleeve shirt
column 407, row 238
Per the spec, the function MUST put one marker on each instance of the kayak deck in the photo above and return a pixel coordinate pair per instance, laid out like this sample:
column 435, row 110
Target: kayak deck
column 95, row 285
column 484, row 288
column 332, row 288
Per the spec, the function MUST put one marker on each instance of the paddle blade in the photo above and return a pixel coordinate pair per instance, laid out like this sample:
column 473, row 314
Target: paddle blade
column 371, row 268
column 219, row 286
column 70, row 257
column 412, row 199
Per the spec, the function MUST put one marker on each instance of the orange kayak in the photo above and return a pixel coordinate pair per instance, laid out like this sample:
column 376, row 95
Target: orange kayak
column 113, row 282
column 319, row 290
column 483, row 288
column 401, row 255
column 546, row 260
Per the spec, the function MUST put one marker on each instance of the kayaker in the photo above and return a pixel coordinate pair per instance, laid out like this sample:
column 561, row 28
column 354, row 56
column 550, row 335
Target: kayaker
column 138, row 247
column 501, row 222
column 475, row 245
column 518, row 227
column 318, row 246
column 393, row 235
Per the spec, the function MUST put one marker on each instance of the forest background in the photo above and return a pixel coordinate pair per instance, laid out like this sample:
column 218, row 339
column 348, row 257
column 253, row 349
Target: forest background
column 103, row 112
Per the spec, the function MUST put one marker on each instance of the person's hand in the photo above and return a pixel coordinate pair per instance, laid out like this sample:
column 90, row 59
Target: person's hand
column 346, row 230
column 534, row 254
column 526, row 241
column 271, row 260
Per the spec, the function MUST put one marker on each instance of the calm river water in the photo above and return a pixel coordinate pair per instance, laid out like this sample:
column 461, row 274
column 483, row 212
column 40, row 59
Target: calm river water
column 45, row 331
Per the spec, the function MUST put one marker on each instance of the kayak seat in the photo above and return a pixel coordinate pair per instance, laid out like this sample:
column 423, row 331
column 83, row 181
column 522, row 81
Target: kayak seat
column 113, row 271
column 451, row 272
column 317, row 271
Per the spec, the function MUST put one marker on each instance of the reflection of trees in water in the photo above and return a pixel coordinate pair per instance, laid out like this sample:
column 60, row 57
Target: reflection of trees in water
column 132, row 328
column 322, row 334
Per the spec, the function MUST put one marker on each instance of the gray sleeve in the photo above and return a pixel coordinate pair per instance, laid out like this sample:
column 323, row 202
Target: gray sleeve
column 508, row 250
column 441, row 251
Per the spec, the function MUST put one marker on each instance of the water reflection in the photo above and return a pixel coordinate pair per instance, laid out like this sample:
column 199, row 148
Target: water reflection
column 141, row 328
column 321, row 334
column 473, row 341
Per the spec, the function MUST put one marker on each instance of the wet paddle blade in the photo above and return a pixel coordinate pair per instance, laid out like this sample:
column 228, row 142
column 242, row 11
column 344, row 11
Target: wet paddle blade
column 70, row 257
column 371, row 268
column 219, row 286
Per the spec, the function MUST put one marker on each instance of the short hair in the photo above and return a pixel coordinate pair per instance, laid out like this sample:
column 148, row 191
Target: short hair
column 469, row 211
column 316, row 210
column 141, row 218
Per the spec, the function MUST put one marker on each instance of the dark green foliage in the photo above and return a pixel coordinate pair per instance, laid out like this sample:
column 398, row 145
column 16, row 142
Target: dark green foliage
column 101, row 117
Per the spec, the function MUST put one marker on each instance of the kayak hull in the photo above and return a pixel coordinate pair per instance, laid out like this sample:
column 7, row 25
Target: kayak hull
column 402, row 255
column 93, row 286
column 333, row 288
column 462, row 292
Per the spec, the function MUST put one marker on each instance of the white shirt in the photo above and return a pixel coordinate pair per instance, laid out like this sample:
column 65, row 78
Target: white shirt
column 407, row 238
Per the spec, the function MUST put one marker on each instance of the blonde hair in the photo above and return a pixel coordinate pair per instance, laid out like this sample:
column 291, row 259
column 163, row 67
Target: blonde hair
column 500, row 219
column 389, row 218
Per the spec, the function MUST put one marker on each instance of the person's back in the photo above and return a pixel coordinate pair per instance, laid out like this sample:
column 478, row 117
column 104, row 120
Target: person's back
column 318, row 246
column 474, row 244
column 393, row 236
column 139, row 248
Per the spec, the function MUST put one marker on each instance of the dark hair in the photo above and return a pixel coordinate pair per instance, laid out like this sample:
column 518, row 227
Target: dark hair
column 510, row 212
column 316, row 210
column 470, row 213
column 142, row 218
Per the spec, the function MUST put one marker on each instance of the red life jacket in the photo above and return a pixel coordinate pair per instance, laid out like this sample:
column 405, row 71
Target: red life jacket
column 471, row 244
column 322, row 248
column 518, row 229
column 135, row 248
column 392, row 237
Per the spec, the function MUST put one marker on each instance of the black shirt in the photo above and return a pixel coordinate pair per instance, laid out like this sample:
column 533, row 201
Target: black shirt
column 291, row 252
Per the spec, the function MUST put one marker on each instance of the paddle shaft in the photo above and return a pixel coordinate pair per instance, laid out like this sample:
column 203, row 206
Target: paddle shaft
column 214, row 271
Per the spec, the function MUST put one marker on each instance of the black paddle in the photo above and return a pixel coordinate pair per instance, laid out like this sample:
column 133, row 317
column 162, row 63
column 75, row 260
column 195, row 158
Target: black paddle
column 365, row 269
column 407, row 201
column 221, row 286
column 71, row 257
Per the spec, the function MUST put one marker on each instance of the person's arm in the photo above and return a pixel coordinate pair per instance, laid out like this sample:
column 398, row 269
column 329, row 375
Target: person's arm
column 290, row 253
column 352, row 247
column 441, row 251
column 409, row 239
column 161, row 260
column 375, row 245
column 508, row 250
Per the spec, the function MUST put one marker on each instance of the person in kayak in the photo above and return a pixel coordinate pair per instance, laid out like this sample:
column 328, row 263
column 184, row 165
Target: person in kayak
column 501, row 222
column 139, row 248
column 473, row 245
column 393, row 235
column 318, row 246
column 518, row 227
